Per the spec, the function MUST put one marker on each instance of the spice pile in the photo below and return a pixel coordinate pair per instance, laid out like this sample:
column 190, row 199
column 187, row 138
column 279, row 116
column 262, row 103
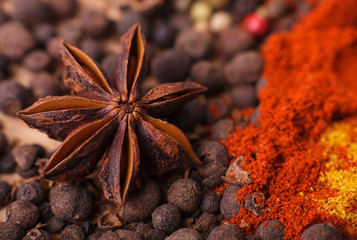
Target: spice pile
column 293, row 154
column 303, row 162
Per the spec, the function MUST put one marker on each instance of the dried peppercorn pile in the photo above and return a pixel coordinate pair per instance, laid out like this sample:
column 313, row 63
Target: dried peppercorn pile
column 299, row 157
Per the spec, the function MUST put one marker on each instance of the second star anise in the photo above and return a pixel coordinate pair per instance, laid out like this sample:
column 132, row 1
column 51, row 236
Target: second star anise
column 112, row 121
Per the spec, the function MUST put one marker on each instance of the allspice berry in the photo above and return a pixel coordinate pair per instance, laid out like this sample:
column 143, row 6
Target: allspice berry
column 30, row 11
column 37, row 60
column 184, row 233
column 243, row 96
column 207, row 74
column 197, row 44
column 210, row 203
column 171, row 66
column 206, row 223
column 215, row 160
column 5, row 190
column 245, row 67
column 185, row 194
column 140, row 205
column 321, row 231
column 71, row 203
column 167, row 218
column 221, row 129
column 37, row 234
column 11, row 231
column 226, row 232
column 13, row 97
column 235, row 40
column 229, row 206
column 127, row 234
column 64, row 8
column 94, row 22
column 23, row 213
column 32, row 192
column 15, row 40
column 72, row 232
column 271, row 230
column 44, row 84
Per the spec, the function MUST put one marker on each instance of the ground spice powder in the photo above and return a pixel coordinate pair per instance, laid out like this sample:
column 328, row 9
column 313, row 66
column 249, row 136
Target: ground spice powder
column 311, row 78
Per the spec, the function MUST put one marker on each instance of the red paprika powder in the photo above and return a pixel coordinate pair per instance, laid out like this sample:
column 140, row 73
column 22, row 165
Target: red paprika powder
column 311, row 75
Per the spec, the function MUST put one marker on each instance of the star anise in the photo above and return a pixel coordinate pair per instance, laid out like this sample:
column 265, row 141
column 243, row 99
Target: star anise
column 111, row 120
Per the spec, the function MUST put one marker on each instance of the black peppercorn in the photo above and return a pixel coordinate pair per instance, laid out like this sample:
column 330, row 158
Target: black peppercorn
column 185, row 194
column 5, row 190
column 52, row 47
column 140, row 205
column 171, row 66
column 11, row 31
column 229, row 206
column 215, row 160
column 184, row 233
column 270, row 230
column 210, row 203
column 71, row 32
column 71, row 203
column 23, row 213
column 93, row 49
column 37, row 60
column 37, row 234
column 13, row 97
column 72, row 232
column 11, row 231
column 54, row 224
column 321, row 231
column 226, row 232
column 167, row 218
column 197, row 44
column 31, row 191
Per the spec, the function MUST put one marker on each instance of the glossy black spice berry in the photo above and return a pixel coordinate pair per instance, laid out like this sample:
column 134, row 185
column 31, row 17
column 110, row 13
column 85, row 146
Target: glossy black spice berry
column 185, row 194
column 229, row 206
column 11, row 231
column 226, row 232
column 37, row 234
column 72, row 232
column 210, row 203
column 167, row 218
column 184, row 233
column 171, row 66
column 321, row 231
column 197, row 44
column 215, row 160
column 71, row 203
column 140, row 205
column 23, row 213
column 13, row 97
column 5, row 190
column 32, row 192
column 270, row 230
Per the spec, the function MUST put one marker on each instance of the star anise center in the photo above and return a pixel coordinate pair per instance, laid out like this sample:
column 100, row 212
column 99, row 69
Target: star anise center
column 127, row 106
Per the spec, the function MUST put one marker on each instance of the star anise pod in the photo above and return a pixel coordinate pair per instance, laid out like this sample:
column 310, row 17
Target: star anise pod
column 112, row 121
